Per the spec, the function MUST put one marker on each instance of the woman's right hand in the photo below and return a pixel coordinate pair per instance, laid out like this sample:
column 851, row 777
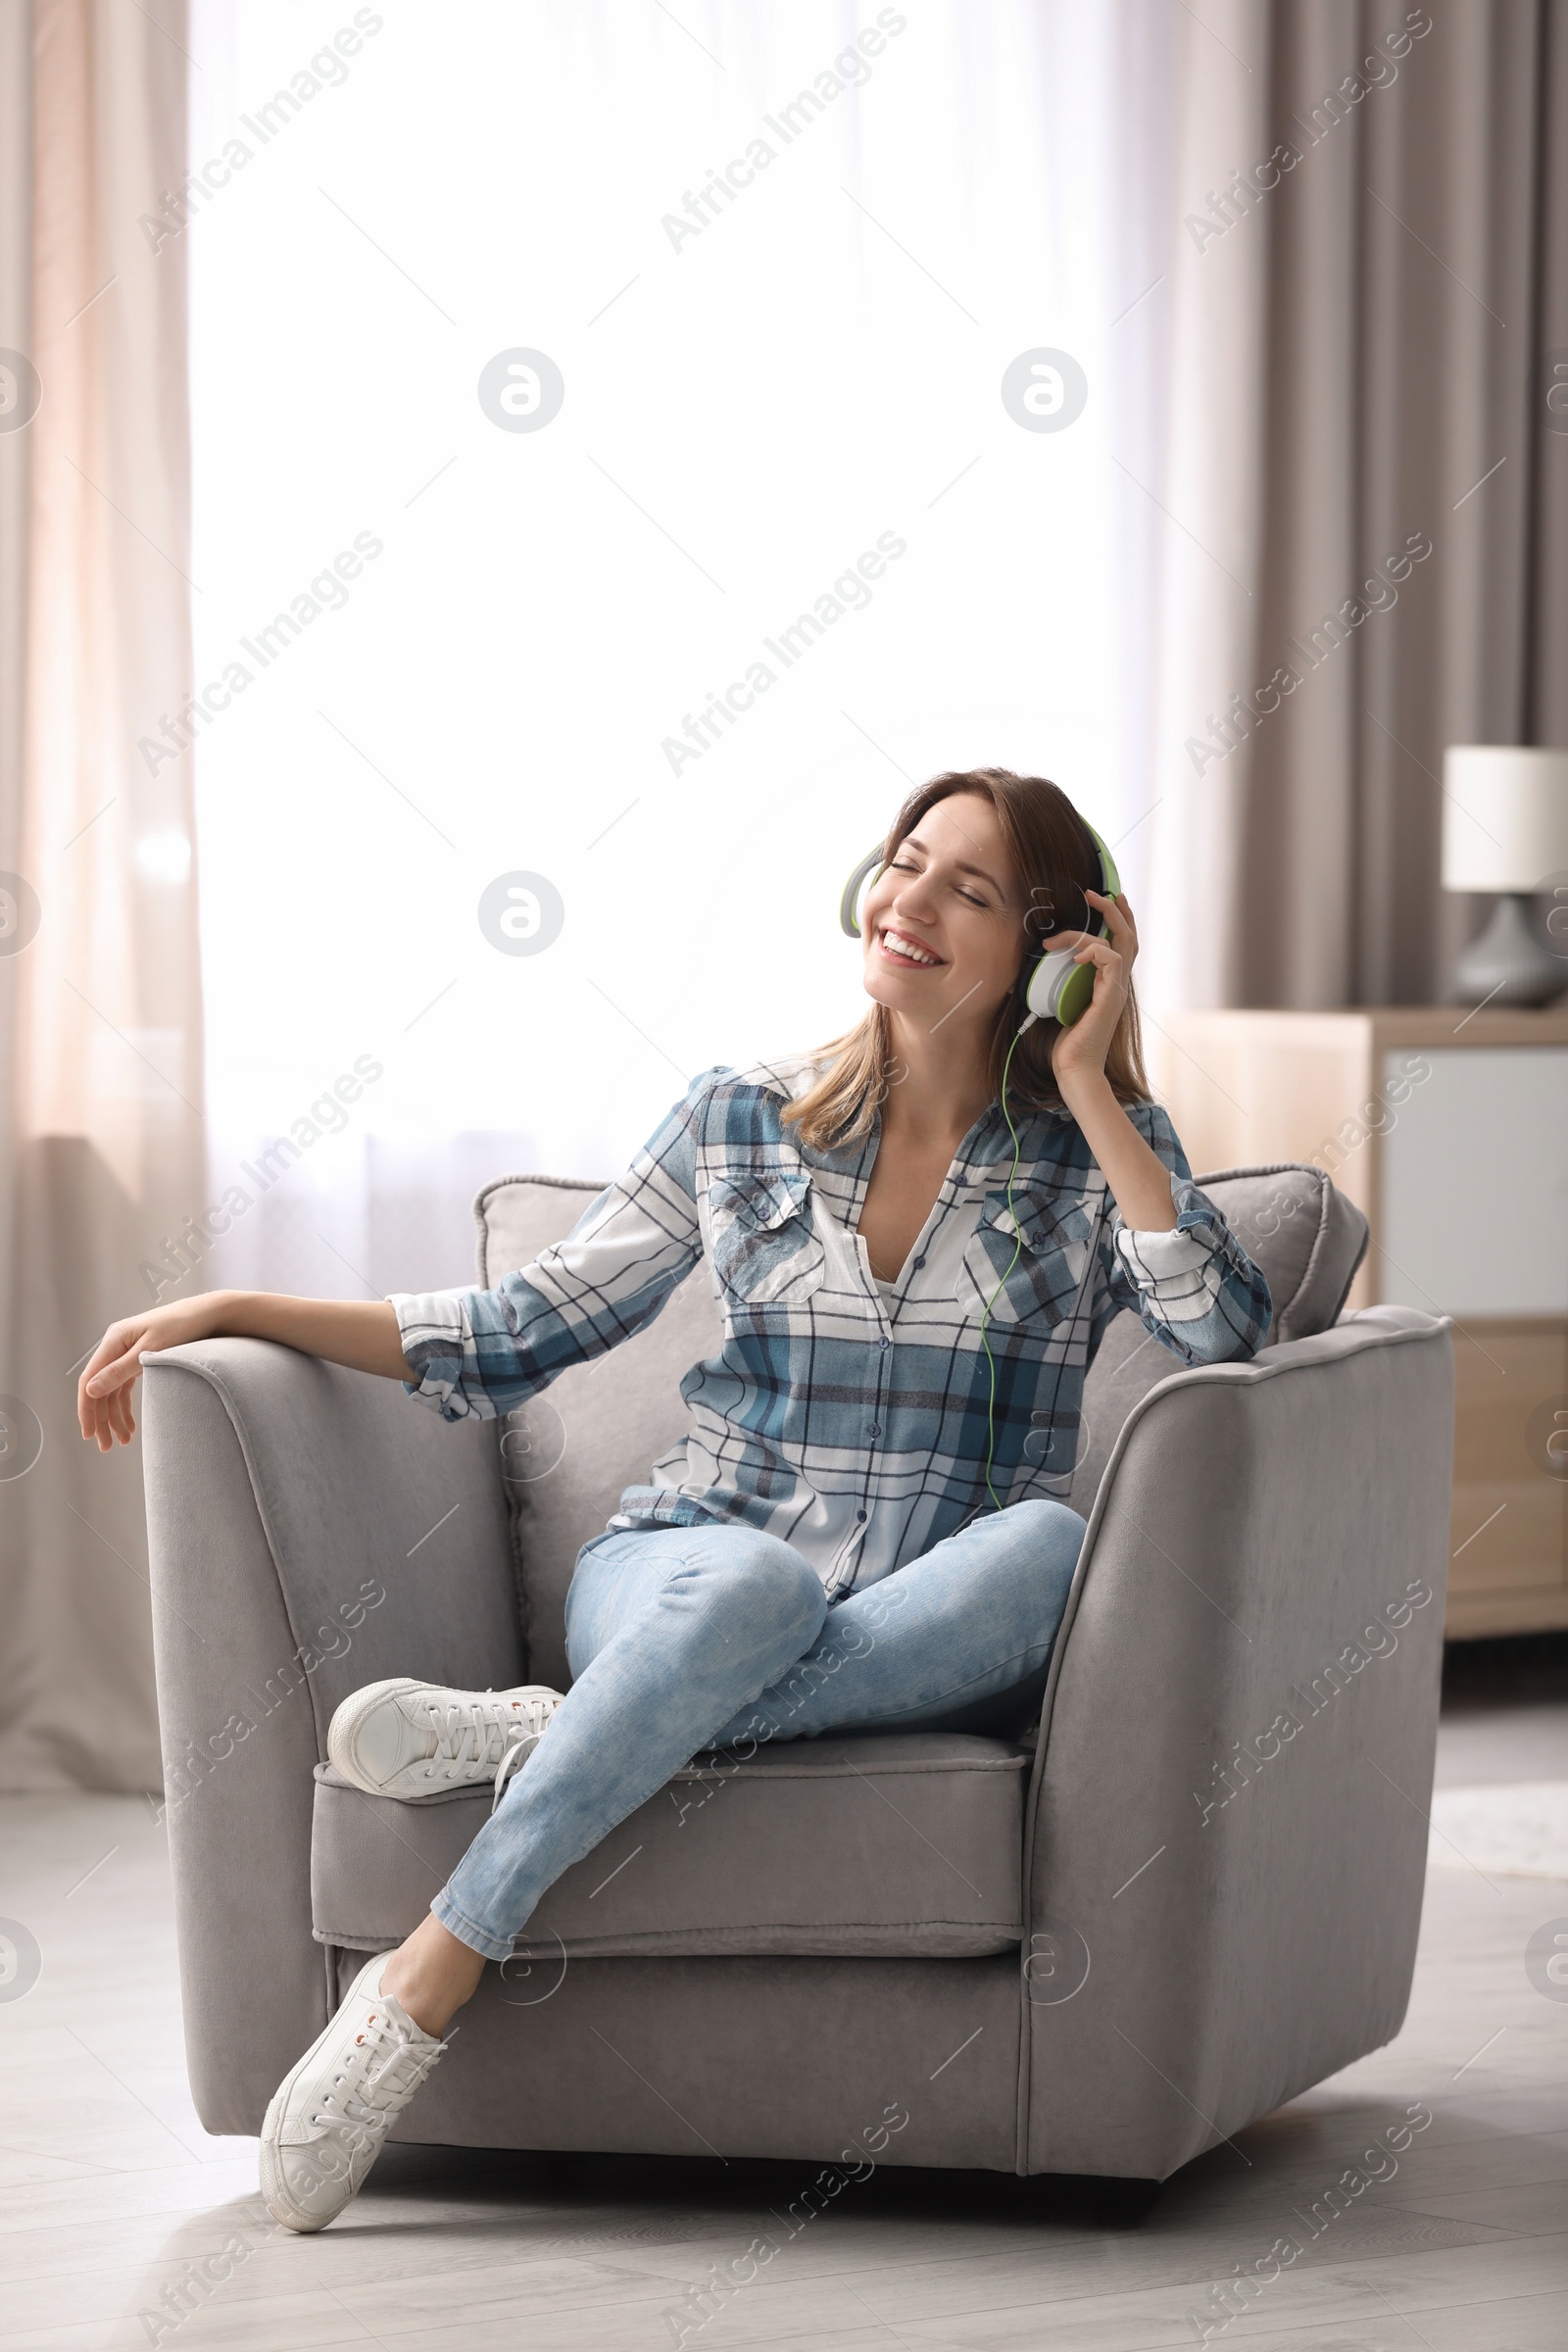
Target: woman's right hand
column 103, row 1392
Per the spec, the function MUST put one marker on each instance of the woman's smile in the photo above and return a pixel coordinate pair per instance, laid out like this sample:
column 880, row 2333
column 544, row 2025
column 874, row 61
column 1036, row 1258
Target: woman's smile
column 902, row 947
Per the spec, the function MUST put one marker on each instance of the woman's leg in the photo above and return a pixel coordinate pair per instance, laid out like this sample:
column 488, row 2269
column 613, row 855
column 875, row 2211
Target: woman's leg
column 959, row 1638
column 431, row 1975
column 668, row 1631
column 954, row 1640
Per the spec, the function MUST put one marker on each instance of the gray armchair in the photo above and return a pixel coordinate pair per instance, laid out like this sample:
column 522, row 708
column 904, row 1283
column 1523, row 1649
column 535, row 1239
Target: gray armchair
column 1189, row 1894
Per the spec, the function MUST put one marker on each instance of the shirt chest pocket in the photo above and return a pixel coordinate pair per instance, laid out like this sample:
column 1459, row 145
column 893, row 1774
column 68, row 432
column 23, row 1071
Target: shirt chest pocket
column 1030, row 1263
column 762, row 1244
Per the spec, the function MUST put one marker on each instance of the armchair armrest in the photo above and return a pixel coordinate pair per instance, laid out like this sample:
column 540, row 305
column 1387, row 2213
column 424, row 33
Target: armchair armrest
column 310, row 1530
column 1227, row 1850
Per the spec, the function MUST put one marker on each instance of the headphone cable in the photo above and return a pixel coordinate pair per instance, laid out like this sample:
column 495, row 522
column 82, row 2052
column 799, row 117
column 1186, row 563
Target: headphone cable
column 1018, row 1251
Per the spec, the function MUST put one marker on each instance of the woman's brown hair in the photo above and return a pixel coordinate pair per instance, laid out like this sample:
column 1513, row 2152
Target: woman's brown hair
column 1054, row 858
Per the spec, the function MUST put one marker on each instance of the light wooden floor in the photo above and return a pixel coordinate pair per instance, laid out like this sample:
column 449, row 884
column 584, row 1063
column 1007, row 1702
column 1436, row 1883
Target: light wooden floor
column 110, row 2191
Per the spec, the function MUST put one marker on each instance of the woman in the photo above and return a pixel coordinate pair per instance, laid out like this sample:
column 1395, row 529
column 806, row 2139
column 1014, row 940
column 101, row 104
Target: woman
column 917, row 1236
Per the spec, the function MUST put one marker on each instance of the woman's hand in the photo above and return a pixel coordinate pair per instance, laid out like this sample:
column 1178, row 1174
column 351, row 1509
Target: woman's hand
column 103, row 1392
column 362, row 1332
column 1138, row 1178
column 1080, row 1052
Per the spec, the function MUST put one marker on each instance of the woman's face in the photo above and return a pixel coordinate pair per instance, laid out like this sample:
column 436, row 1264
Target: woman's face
column 942, row 922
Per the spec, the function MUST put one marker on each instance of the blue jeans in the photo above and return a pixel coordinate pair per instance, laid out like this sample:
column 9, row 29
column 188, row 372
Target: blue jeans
column 683, row 1639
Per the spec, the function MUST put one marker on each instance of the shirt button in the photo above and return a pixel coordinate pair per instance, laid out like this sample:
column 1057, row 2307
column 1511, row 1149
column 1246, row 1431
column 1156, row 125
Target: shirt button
column 884, row 1343
column 859, row 1515
column 876, row 1429
column 918, row 1263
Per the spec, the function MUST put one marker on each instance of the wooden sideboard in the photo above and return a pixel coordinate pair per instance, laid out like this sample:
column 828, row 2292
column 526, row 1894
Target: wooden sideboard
column 1450, row 1131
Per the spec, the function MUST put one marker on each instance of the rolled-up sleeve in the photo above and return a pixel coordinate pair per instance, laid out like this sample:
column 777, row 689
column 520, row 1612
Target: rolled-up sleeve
column 1194, row 1289
column 480, row 1352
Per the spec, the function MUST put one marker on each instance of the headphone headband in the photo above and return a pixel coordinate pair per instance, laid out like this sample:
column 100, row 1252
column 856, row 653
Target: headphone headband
column 848, row 903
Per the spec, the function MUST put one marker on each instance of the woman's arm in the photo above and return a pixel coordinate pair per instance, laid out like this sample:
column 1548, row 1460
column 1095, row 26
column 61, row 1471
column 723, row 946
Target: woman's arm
column 1175, row 1262
column 467, row 1352
column 481, row 1352
column 1139, row 1181
column 362, row 1332
column 1191, row 1284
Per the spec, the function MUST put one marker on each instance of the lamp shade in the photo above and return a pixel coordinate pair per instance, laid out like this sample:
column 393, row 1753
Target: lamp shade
column 1504, row 817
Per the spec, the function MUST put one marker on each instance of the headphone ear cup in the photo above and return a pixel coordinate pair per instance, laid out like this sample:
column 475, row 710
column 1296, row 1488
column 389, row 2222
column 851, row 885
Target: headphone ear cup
column 1060, row 988
column 1046, row 984
column 1075, row 995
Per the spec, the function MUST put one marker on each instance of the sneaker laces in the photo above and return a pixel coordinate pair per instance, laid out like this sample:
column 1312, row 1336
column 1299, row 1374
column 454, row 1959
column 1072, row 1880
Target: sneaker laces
column 380, row 2076
column 481, row 1731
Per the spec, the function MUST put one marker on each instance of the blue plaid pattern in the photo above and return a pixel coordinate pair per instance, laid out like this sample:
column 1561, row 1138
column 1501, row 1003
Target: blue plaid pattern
column 851, row 1425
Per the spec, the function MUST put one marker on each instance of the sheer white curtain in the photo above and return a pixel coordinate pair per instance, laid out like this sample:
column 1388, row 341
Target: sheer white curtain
column 782, row 259
column 100, row 1016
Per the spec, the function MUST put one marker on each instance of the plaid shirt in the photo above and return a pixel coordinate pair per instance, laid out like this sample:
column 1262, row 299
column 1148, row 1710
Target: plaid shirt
column 851, row 1424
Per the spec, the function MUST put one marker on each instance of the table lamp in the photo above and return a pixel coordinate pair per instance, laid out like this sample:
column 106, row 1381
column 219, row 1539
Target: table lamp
column 1505, row 829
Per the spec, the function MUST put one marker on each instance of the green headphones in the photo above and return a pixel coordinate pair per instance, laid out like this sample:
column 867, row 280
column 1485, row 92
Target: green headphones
column 1054, row 988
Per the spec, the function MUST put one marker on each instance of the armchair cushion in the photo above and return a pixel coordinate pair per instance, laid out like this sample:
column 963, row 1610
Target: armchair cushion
column 906, row 1844
column 1308, row 1238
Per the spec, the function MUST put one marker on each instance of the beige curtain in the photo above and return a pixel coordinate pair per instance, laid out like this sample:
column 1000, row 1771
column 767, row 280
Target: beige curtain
column 1368, row 270
column 100, row 1031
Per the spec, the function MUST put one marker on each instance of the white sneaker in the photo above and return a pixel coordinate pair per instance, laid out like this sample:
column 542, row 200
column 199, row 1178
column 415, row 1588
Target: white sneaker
column 332, row 2112
column 406, row 1739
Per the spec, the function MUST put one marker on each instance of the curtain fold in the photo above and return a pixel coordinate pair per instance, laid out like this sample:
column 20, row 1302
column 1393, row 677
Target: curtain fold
column 1205, row 555
column 1547, row 698
column 1369, row 241
column 99, row 971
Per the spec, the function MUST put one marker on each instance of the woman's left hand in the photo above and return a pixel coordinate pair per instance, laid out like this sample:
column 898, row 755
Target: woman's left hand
column 1080, row 1052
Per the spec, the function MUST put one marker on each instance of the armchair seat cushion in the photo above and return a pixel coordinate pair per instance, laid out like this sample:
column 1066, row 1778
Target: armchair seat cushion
column 903, row 1843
